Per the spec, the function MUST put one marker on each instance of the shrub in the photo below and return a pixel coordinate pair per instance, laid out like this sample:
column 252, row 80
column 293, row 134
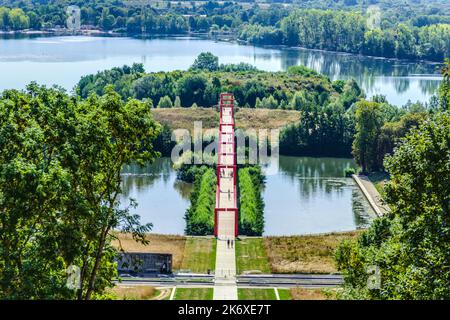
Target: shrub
column 348, row 172
column 251, row 205
column 200, row 215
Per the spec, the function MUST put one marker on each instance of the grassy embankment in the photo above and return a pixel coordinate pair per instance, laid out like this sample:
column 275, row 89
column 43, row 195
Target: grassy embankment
column 293, row 254
column 251, row 256
column 379, row 179
column 139, row 293
column 194, row 294
column 310, row 294
column 286, row 294
column 256, row 294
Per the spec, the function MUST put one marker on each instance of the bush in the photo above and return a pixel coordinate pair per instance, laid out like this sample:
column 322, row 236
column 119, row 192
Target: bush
column 200, row 215
column 251, row 204
column 348, row 172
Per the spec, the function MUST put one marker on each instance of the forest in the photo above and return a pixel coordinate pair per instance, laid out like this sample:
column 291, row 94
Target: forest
column 333, row 113
column 60, row 166
column 412, row 30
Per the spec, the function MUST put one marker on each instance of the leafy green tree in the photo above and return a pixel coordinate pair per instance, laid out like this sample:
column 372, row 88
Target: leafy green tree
column 206, row 61
column 18, row 20
column 60, row 178
column 165, row 102
column 368, row 119
column 191, row 89
column 444, row 89
column 177, row 102
column 410, row 245
column 4, row 18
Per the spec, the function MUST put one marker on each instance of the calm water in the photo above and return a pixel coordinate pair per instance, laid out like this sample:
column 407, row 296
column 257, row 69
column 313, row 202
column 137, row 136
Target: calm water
column 310, row 195
column 302, row 196
column 63, row 60
column 162, row 199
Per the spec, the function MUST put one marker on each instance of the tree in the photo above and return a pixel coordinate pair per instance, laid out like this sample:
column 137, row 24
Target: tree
column 60, row 178
column 177, row 102
column 206, row 61
column 410, row 245
column 18, row 20
column 165, row 102
column 191, row 89
column 444, row 89
column 368, row 124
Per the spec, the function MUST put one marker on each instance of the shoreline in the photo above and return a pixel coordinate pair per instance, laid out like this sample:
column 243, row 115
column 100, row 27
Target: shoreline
column 232, row 38
column 372, row 195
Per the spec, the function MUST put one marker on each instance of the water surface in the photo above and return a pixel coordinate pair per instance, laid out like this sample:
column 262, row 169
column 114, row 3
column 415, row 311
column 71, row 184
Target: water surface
column 63, row 60
column 302, row 196
column 307, row 195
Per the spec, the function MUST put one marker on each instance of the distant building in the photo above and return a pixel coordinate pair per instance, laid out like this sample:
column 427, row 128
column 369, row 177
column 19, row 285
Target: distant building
column 143, row 263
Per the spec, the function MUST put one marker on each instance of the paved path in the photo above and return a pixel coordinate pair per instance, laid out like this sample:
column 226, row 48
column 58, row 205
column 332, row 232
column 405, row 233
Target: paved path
column 372, row 194
column 225, row 287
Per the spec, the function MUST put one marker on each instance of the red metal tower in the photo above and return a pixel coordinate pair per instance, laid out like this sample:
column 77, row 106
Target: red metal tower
column 226, row 210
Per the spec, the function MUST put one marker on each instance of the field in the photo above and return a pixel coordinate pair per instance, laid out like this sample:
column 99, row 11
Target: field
column 246, row 118
column 199, row 255
column 312, row 294
column 139, row 293
column 256, row 294
column 304, row 254
column 285, row 294
column 293, row 254
column 158, row 243
column 193, row 294
column 251, row 256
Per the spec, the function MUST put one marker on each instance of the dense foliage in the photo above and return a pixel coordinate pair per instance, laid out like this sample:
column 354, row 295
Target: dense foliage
column 411, row 245
column 251, row 204
column 379, row 125
column 322, row 131
column 293, row 89
column 60, row 165
column 350, row 32
column 415, row 29
column 200, row 215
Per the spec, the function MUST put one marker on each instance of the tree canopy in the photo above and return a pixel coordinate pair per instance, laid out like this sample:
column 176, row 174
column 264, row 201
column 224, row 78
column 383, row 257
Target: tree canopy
column 60, row 165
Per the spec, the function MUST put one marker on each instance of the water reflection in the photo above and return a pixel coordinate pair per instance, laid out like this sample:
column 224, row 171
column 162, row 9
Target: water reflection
column 63, row 60
column 162, row 199
column 398, row 80
column 310, row 195
column 303, row 195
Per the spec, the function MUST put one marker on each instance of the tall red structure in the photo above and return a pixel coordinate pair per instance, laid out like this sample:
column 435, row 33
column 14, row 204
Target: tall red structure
column 226, row 210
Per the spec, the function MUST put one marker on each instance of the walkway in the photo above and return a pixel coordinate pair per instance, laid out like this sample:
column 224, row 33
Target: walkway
column 226, row 211
column 372, row 194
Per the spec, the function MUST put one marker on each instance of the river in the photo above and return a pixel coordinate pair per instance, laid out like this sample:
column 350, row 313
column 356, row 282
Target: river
column 63, row 60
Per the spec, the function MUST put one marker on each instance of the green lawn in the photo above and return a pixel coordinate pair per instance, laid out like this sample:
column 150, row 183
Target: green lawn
column 256, row 294
column 251, row 256
column 199, row 255
column 378, row 179
column 285, row 294
column 194, row 294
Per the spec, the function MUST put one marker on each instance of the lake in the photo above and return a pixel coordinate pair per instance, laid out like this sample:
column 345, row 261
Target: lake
column 63, row 60
column 303, row 195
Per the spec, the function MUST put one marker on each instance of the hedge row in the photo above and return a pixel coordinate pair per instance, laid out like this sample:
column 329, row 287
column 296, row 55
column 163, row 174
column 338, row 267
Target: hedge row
column 200, row 215
column 251, row 204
